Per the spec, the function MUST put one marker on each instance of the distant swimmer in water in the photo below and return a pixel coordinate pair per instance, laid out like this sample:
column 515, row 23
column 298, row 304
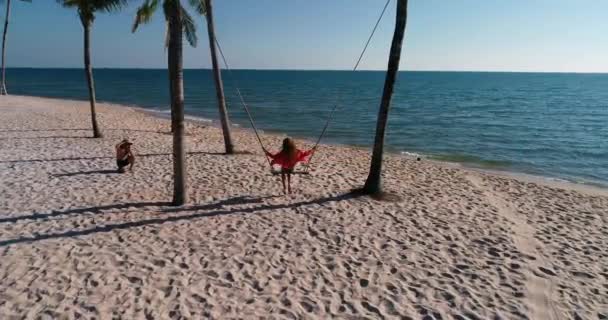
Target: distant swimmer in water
column 124, row 156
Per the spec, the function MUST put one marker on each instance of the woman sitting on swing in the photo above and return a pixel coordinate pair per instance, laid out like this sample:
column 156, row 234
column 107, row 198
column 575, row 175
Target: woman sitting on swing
column 287, row 158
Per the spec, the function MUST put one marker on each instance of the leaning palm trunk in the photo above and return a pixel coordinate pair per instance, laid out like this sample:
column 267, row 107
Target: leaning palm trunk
column 176, row 78
column 88, row 69
column 373, row 184
column 219, row 87
column 8, row 11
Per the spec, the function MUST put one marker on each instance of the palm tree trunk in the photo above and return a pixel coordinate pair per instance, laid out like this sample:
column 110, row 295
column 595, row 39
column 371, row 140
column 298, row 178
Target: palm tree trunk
column 176, row 83
column 219, row 87
column 373, row 184
column 88, row 69
column 8, row 11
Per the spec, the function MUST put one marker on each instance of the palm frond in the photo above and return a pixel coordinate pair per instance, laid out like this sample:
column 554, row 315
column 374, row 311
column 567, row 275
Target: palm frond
column 167, row 34
column 167, row 12
column 167, row 8
column 93, row 5
column 199, row 6
column 87, row 8
column 86, row 16
column 69, row 3
column 144, row 13
column 108, row 5
column 189, row 28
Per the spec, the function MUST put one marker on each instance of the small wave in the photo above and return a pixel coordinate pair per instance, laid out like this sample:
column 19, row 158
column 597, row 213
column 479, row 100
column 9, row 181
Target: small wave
column 198, row 119
column 565, row 180
column 473, row 160
column 163, row 111
column 167, row 112
column 411, row 154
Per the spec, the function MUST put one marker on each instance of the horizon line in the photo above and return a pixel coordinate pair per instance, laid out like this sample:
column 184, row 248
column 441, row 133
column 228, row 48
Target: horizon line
column 317, row 70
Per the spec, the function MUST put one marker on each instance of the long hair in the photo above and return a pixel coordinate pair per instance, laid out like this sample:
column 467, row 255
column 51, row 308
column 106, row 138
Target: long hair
column 289, row 148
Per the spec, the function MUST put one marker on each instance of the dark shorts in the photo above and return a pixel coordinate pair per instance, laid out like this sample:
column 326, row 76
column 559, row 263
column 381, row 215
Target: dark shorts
column 287, row 170
column 122, row 163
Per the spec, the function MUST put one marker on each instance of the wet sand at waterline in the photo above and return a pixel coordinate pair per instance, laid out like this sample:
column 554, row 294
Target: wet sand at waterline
column 79, row 240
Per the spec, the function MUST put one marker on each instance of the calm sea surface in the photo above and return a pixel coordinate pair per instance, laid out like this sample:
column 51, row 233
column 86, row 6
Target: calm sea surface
column 554, row 125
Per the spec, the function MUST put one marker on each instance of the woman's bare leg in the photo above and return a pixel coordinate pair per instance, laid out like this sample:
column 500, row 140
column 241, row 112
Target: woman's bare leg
column 289, row 182
column 131, row 161
column 283, row 181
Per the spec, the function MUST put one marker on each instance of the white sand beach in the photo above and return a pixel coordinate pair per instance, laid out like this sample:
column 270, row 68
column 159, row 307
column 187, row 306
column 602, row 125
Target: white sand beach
column 79, row 241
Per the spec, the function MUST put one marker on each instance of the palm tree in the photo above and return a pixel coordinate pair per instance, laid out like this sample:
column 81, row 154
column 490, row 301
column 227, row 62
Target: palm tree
column 86, row 13
column 179, row 23
column 8, row 11
column 373, row 184
column 219, row 87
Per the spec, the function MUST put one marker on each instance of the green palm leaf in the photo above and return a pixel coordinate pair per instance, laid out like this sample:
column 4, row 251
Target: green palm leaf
column 148, row 8
column 87, row 8
column 144, row 13
column 93, row 5
column 189, row 28
column 199, row 6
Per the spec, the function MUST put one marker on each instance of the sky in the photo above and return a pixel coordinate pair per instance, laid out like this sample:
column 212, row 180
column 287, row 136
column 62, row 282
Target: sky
column 450, row 35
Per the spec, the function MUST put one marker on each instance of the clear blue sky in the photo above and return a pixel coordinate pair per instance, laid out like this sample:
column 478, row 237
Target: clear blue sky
column 490, row 35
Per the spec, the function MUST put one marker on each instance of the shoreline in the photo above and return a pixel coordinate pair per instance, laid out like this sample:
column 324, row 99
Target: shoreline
column 584, row 185
column 577, row 182
column 599, row 188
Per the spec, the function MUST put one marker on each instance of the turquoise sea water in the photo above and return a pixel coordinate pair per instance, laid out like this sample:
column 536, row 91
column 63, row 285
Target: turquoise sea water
column 549, row 124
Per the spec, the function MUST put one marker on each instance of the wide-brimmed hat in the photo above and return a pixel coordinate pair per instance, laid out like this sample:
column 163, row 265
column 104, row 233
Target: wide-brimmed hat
column 126, row 141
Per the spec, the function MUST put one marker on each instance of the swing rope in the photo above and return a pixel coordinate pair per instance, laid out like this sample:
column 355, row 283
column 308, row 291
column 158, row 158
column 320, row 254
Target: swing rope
column 371, row 35
column 238, row 91
column 332, row 112
column 330, row 117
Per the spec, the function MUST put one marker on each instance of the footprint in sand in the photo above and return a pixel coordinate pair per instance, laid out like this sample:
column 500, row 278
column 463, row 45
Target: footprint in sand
column 371, row 308
column 228, row 276
column 547, row 271
column 286, row 302
column 135, row 280
column 199, row 299
column 363, row 282
column 158, row 263
column 308, row 306
column 582, row 274
column 288, row 314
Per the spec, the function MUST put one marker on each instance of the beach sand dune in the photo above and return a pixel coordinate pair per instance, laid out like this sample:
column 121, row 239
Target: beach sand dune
column 78, row 240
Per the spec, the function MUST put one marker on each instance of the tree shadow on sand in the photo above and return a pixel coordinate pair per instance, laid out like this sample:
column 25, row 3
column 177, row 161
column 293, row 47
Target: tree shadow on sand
column 84, row 129
column 118, row 206
column 139, row 130
column 49, row 137
column 95, row 210
column 42, row 130
column 78, row 173
column 158, row 221
column 144, row 155
column 55, row 159
column 50, row 131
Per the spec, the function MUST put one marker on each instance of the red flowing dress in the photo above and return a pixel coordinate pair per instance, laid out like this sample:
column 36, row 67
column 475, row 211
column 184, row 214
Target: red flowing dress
column 282, row 158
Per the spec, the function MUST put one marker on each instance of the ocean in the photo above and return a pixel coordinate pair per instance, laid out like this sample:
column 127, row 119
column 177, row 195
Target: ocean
column 547, row 124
